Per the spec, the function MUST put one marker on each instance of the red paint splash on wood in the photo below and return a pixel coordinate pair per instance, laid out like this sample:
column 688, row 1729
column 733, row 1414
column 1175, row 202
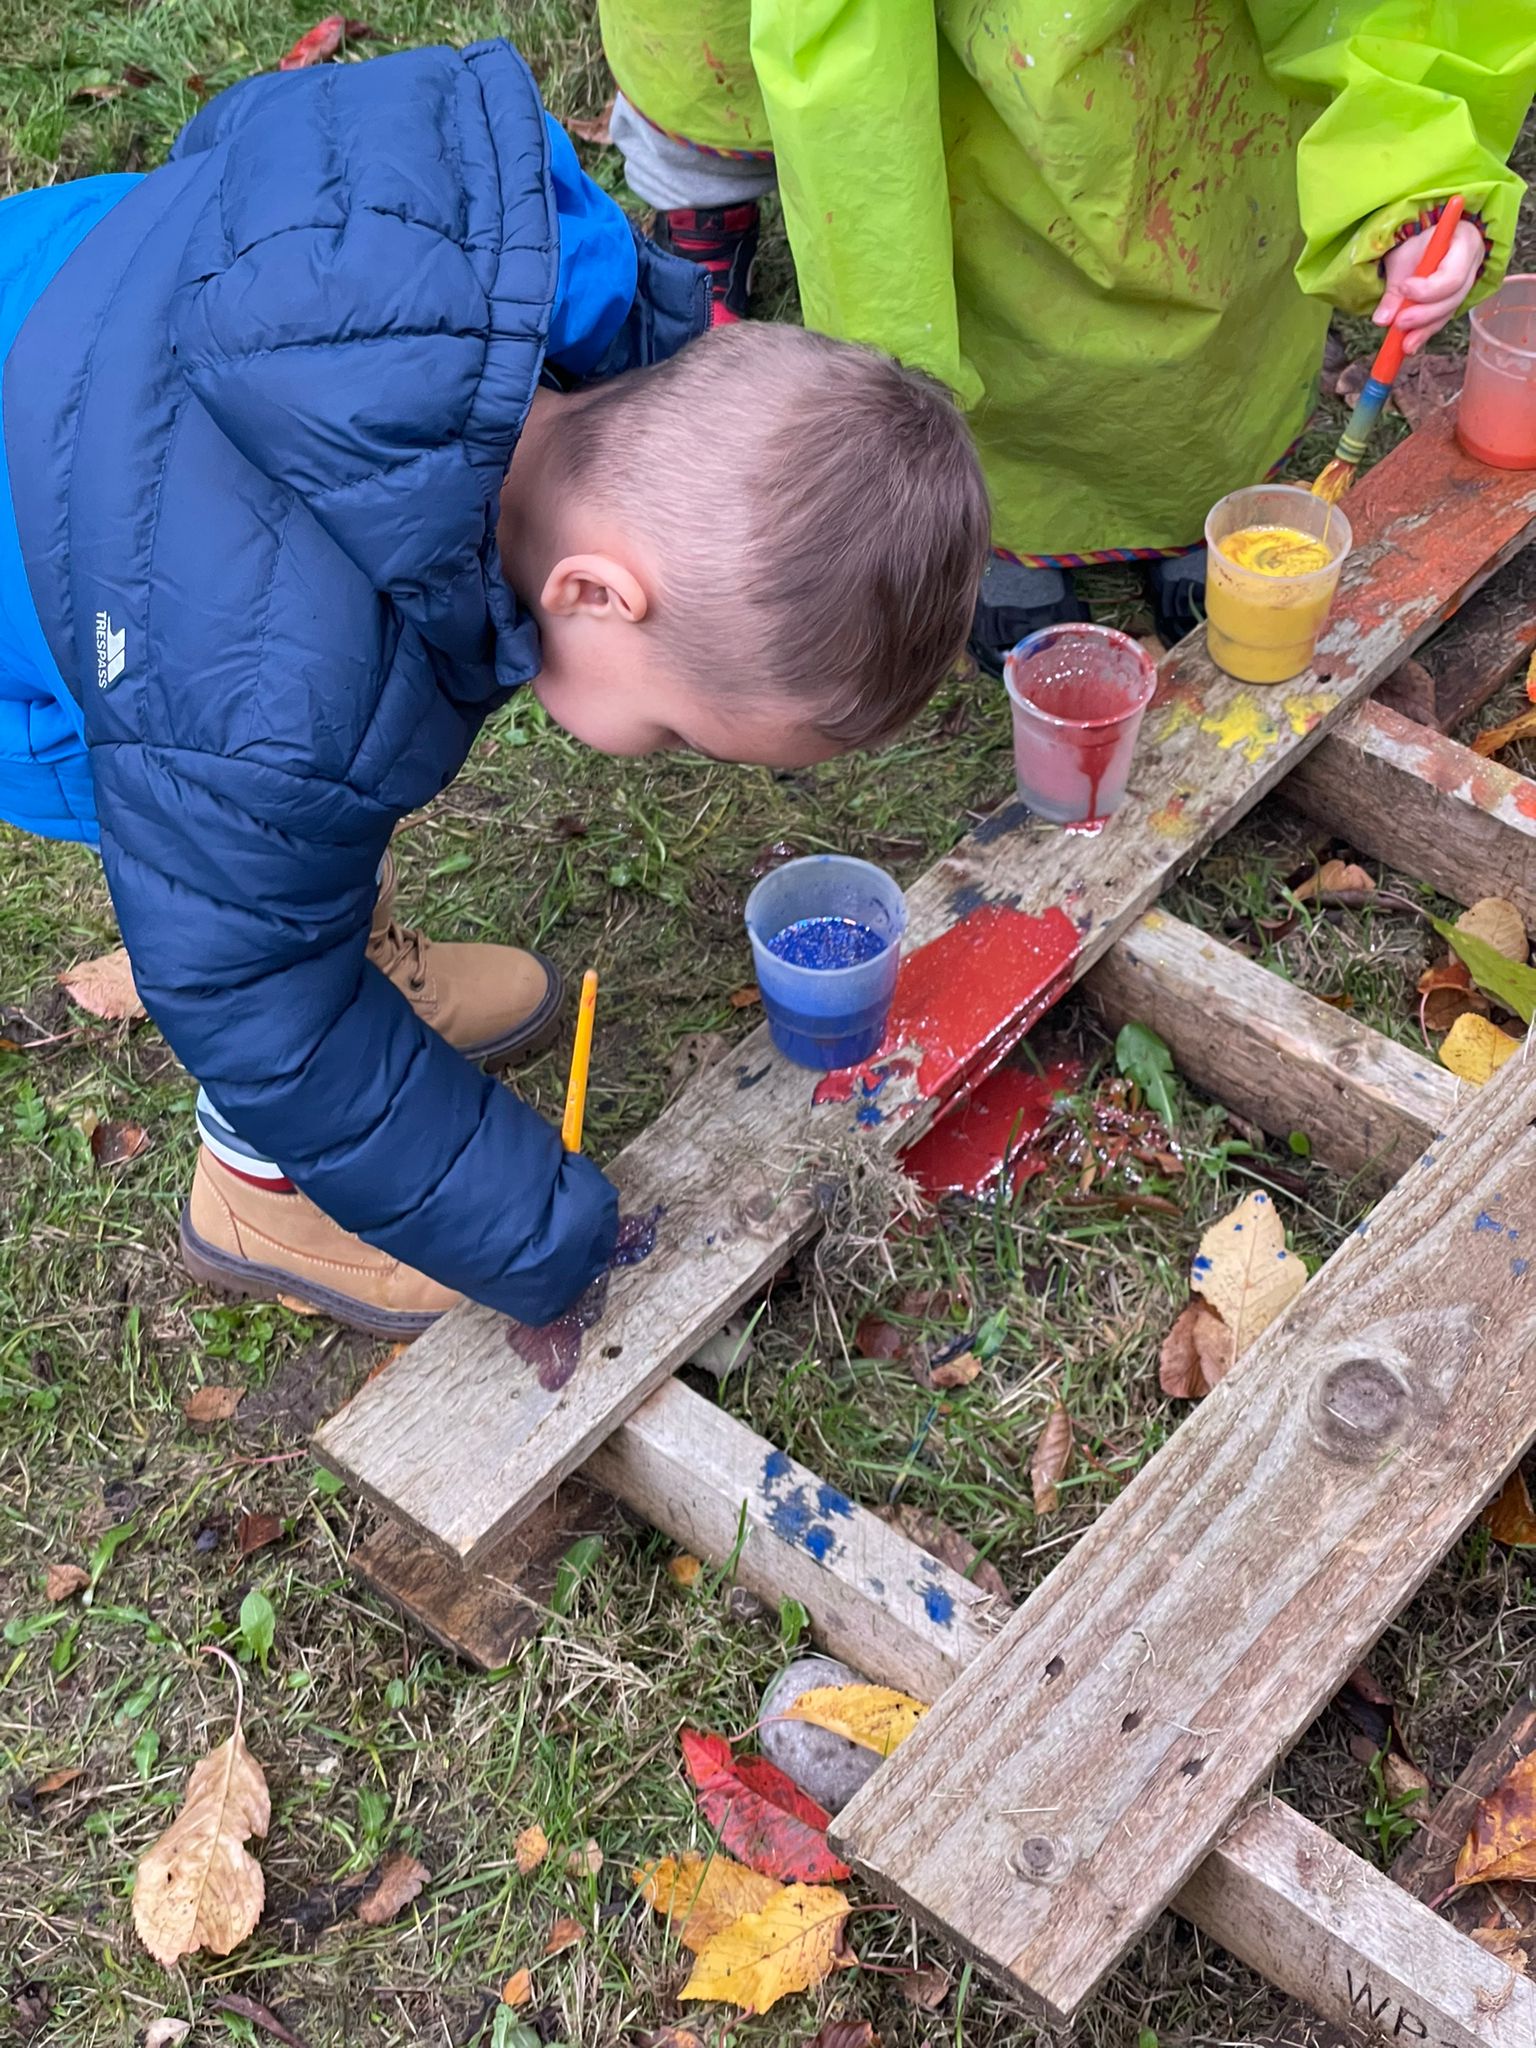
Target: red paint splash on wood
column 1004, row 1121
column 964, row 1001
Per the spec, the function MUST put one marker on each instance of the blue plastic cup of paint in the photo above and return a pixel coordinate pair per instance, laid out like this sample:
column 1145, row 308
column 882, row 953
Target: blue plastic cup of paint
column 826, row 939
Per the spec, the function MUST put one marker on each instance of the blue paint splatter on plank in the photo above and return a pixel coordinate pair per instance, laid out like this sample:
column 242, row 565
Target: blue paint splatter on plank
column 1487, row 1222
column 1519, row 1267
column 831, row 1502
column 938, row 1605
column 776, row 1466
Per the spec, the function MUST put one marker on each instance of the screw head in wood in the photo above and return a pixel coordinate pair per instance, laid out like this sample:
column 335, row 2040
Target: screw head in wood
column 1040, row 1859
column 1359, row 1406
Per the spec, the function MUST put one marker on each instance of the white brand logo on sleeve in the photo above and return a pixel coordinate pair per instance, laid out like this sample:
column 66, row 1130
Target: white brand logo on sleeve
column 111, row 652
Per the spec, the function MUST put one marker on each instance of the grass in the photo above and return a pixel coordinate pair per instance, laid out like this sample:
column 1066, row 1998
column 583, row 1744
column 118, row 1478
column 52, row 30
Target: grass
column 372, row 1739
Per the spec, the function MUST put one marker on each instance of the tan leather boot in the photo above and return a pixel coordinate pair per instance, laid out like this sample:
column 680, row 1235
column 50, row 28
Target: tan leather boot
column 495, row 1003
column 255, row 1243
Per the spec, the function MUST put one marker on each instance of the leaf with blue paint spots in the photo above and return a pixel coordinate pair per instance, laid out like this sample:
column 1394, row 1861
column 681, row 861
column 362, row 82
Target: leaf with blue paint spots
column 1244, row 1270
column 762, row 1817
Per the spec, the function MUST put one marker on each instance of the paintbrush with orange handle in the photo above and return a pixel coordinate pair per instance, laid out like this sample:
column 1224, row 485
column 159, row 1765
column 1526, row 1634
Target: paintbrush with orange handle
column 1336, row 479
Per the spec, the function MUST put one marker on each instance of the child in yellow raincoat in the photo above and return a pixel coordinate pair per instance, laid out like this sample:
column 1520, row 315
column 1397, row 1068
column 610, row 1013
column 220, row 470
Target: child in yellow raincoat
column 1114, row 227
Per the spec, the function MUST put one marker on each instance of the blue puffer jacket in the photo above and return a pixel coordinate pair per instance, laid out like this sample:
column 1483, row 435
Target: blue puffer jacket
column 255, row 430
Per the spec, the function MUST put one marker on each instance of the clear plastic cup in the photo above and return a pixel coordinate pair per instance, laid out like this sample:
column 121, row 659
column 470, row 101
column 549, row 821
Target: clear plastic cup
column 1262, row 625
column 1496, row 420
column 1078, row 694
column 827, row 1015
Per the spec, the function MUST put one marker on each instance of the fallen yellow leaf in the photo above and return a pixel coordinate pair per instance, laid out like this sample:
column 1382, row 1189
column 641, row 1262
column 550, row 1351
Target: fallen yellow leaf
column 1501, row 1842
column 702, row 1895
column 518, row 1988
column 530, row 1849
column 1474, row 1049
column 872, row 1715
column 1244, row 1270
column 763, row 1957
column 1510, row 1519
column 198, row 1886
column 683, row 1570
column 1521, row 727
column 1495, row 921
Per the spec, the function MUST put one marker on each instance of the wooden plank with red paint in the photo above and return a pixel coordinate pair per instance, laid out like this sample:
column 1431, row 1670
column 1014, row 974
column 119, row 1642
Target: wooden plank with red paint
column 460, row 1440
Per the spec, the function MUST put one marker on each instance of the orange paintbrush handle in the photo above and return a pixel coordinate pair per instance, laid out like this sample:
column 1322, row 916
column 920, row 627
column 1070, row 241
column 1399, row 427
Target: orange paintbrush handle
column 1389, row 357
column 581, row 1063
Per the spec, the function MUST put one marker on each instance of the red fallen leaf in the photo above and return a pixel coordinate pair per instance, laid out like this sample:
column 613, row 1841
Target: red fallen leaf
column 595, row 130
column 114, row 1144
column 323, row 41
column 763, row 1819
column 256, row 1532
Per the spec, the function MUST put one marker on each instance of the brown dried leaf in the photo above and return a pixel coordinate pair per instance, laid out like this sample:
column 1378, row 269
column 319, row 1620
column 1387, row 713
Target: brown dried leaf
column 256, row 1532
column 1507, row 1943
column 594, row 130
column 518, row 1988
column 530, row 1848
column 954, row 1372
column 261, row 2016
column 64, row 1581
column 586, row 1861
column 935, row 1536
column 114, row 1143
column 1052, row 1460
column 1426, row 384
column 1510, row 1519
column 565, row 1933
column 1446, row 993
column 772, row 856
column 198, row 1886
column 1521, row 727
column 400, row 1878
column 207, row 1405
column 1333, row 878
column 927, row 1988
column 683, row 1570
column 1501, row 1843
column 166, row 2032
column 104, row 987
column 1197, row 1354
column 876, row 1338
column 745, row 998
column 56, row 1781
column 1401, row 1777
column 1352, row 379
column 673, row 2037
column 844, row 2034
column 1497, row 923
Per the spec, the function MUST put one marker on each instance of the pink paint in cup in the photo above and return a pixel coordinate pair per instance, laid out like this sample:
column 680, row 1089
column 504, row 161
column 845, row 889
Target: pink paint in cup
column 1078, row 694
column 1496, row 420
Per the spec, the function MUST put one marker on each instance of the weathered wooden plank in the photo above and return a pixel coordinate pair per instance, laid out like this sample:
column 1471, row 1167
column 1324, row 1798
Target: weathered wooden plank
column 1424, row 804
column 1469, row 660
column 1318, row 1921
column 464, row 1439
column 1070, row 1782
column 1273, row 1052
column 483, row 1612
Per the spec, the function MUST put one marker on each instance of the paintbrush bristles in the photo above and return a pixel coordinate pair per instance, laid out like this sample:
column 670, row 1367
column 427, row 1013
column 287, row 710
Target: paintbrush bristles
column 1334, row 481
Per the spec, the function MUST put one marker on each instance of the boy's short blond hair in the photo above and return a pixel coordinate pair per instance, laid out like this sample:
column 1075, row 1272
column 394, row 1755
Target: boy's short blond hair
column 817, row 513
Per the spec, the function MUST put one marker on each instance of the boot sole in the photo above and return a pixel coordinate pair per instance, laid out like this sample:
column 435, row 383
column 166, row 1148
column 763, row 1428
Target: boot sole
column 533, row 1035
column 244, row 1280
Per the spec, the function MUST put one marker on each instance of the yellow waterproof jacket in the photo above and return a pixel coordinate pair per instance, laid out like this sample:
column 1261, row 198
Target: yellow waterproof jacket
column 1114, row 227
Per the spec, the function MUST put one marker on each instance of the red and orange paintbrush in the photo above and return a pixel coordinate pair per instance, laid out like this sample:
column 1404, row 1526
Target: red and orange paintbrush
column 1336, row 479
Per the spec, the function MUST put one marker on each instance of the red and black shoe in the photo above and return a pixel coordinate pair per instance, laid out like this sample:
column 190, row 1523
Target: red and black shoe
column 723, row 241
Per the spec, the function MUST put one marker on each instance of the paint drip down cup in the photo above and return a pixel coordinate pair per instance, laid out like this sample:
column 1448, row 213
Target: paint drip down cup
column 826, row 941
column 1273, row 562
column 1078, row 693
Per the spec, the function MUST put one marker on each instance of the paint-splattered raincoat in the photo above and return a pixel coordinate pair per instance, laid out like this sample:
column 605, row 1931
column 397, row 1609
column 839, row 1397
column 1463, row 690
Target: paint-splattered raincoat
column 1091, row 217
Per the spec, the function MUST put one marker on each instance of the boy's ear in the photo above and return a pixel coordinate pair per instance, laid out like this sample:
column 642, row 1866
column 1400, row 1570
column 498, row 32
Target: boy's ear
column 594, row 587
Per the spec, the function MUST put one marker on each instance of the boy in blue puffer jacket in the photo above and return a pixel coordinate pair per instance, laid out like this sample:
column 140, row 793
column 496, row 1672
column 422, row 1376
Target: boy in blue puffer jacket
column 265, row 569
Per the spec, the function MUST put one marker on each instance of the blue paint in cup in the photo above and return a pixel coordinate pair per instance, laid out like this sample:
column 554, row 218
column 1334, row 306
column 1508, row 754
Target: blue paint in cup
column 826, row 940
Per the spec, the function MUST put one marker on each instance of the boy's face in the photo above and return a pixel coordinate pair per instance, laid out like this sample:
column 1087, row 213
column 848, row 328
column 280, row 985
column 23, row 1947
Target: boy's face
column 598, row 684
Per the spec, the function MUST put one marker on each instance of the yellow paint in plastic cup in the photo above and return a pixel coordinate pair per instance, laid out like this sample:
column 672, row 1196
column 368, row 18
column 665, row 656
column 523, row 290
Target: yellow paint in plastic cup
column 1275, row 553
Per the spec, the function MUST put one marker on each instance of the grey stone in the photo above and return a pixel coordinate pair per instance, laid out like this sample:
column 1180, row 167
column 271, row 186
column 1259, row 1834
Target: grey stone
column 827, row 1766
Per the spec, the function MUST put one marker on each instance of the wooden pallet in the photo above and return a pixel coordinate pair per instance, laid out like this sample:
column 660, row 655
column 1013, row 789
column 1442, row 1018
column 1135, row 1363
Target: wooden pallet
column 1324, row 1478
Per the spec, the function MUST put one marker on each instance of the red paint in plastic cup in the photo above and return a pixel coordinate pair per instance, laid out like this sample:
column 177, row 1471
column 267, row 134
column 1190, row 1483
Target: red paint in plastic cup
column 1496, row 420
column 1078, row 694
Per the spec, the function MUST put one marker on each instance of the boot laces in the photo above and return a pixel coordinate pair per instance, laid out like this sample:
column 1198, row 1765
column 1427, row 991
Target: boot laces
column 400, row 949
